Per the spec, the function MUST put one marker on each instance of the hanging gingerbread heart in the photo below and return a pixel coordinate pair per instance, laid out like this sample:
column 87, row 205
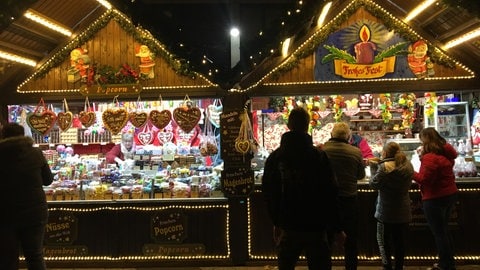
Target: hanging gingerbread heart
column 245, row 142
column 160, row 119
column 87, row 118
column 42, row 119
column 138, row 119
column 187, row 117
column 145, row 137
column 242, row 146
column 115, row 119
column 41, row 123
column 64, row 120
column 214, row 110
column 165, row 136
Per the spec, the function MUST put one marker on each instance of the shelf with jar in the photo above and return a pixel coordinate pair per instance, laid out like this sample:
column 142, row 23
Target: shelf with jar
column 370, row 120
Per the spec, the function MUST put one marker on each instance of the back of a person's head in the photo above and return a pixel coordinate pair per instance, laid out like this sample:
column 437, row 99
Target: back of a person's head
column 431, row 140
column 12, row 130
column 298, row 120
column 393, row 150
column 341, row 131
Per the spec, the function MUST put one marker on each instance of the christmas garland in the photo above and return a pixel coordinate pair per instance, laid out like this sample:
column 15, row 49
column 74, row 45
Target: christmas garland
column 179, row 65
column 400, row 28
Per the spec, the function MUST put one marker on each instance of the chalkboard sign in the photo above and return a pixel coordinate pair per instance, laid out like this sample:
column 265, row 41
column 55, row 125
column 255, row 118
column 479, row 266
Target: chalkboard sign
column 169, row 227
column 61, row 229
column 230, row 123
column 237, row 181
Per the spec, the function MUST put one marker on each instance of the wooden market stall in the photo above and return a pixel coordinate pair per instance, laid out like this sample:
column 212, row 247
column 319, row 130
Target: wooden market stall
column 327, row 64
column 231, row 227
column 114, row 63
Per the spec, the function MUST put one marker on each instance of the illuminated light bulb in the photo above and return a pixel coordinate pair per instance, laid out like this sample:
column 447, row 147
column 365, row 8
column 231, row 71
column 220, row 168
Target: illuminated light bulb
column 40, row 19
column 17, row 58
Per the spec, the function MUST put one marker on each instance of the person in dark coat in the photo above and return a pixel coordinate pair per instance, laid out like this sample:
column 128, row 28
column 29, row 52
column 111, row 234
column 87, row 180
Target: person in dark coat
column 300, row 190
column 349, row 167
column 24, row 171
column 392, row 177
column 436, row 180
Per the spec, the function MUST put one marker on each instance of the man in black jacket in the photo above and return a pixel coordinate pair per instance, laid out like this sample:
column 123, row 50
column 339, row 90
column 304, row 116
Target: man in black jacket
column 301, row 195
column 24, row 171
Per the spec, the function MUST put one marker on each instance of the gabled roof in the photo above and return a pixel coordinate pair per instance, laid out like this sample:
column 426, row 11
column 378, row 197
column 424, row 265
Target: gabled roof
column 111, row 41
column 294, row 73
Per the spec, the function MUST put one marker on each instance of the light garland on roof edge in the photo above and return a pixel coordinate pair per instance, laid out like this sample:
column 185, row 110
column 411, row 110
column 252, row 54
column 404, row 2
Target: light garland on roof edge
column 309, row 46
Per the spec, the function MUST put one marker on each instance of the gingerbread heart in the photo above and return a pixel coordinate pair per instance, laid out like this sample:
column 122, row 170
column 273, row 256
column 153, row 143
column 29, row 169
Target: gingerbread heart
column 160, row 119
column 41, row 123
column 145, row 138
column 64, row 120
column 187, row 118
column 214, row 114
column 115, row 119
column 242, row 146
column 87, row 118
column 138, row 119
column 165, row 136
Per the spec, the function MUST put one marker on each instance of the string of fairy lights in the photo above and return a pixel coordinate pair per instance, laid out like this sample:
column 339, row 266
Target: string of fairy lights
column 309, row 46
column 219, row 256
column 183, row 67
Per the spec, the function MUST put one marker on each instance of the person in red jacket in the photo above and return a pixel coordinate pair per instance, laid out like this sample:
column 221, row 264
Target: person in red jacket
column 122, row 151
column 360, row 142
column 436, row 180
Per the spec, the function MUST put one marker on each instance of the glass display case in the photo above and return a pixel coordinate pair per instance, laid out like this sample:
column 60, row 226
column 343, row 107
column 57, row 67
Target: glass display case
column 451, row 120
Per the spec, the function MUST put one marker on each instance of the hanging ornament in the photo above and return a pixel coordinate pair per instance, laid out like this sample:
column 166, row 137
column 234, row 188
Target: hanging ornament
column 41, row 120
column 214, row 110
column 187, row 116
column 245, row 142
column 87, row 116
column 65, row 118
column 159, row 117
column 138, row 117
column 115, row 118
column 208, row 144
column 165, row 137
column 145, row 137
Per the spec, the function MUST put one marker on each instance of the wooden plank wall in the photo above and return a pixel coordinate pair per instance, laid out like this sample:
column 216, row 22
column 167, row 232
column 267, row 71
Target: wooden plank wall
column 112, row 46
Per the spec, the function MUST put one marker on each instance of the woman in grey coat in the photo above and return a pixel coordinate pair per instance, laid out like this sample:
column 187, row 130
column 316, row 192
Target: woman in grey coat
column 392, row 177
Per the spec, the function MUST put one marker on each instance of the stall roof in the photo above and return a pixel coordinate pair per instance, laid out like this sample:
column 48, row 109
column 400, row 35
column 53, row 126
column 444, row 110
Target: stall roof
column 197, row 31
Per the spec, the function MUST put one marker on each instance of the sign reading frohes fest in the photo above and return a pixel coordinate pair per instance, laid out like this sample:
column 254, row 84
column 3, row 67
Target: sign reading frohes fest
column 237, row 177
column 110, row 90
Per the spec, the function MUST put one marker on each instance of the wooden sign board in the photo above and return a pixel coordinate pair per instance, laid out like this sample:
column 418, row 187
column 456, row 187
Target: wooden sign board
column 230, row 123
column 111, row 90
column 238, row 182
